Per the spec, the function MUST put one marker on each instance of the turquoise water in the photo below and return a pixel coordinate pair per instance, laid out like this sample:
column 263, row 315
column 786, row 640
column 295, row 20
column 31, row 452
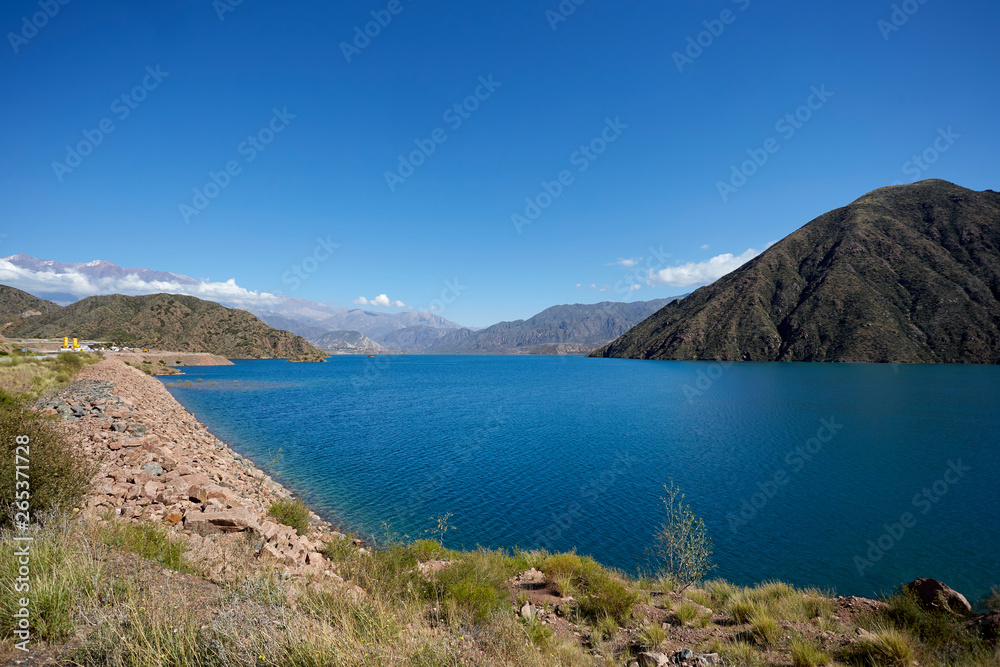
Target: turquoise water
column 811, row 473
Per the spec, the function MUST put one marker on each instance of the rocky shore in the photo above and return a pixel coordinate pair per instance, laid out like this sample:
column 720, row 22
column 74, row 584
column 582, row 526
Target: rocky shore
column 156, row 462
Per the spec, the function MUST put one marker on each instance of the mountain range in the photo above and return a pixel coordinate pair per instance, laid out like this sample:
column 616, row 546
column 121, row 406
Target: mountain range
column 907, row 273
column 175, row 322
column 565, row 329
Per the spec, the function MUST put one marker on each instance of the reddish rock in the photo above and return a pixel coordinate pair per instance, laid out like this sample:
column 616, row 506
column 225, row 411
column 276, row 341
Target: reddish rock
column 932, row 594
column 230, row 521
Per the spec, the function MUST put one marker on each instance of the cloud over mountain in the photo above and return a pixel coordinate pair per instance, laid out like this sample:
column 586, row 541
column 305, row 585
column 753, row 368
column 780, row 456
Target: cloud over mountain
column 80, row 280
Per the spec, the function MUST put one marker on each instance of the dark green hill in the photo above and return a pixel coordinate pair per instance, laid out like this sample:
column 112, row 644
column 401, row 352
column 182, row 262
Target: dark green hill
column 15, row 305
column 908, row 273
column 172, row 322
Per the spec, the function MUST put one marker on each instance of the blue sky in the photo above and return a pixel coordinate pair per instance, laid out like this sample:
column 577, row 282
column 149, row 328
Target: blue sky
column 880, row 94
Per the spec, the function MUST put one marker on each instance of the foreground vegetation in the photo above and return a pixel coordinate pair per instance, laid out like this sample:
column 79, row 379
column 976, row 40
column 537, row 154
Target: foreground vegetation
column 29, row 376
column 393, row 609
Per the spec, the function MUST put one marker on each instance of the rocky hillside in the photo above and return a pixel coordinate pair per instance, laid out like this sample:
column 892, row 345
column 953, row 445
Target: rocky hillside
column 15, row 304
column 577, row 328
column 339, row 341
column 163, row 321
column 907, row 273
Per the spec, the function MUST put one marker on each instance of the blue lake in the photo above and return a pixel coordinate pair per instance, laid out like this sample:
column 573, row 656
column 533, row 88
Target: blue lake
column 850, row 477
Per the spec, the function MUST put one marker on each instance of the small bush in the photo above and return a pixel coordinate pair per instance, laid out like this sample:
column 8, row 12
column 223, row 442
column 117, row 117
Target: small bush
column 807, row 654
column 600, row 594
column 652, row 635
column 683, row 549
column 426, row 549
column 742, row 654
column 63, row 575
column 686, row 613
column 146, row 540
column 606, row 628
column 765, row 628
column 54, row 475
column 721, row 591
column 339, row 550
column 477, row 583
column 888, row 647
column 938, row 630
column 292, row 513
column 741, row 608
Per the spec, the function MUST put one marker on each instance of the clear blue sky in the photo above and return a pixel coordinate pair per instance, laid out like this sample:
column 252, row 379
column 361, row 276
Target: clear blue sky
column 323, row 175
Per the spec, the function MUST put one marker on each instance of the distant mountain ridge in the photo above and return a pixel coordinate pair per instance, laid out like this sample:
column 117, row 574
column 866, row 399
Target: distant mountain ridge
column 907, row 273
column 341, row 341
column 301, row 316
column 174, row 322
column 564, row 329
column 573, row 329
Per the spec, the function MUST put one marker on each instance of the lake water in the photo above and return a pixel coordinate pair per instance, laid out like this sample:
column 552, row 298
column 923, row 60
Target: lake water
column 850, row 477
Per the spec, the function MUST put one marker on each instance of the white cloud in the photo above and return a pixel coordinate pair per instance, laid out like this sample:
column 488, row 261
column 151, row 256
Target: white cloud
column 79, row 285
column 704, row 247
column 700, row 273
column 579, row 285
column 381, row 301
column 628, row 263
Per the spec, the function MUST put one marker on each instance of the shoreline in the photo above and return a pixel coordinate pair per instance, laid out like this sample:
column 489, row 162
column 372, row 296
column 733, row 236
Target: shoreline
column 158, row 462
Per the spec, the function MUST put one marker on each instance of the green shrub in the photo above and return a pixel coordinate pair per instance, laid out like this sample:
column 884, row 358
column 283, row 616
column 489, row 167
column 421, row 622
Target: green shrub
column 741, row 607
column 478, row 583
column 938, row 630
column 54, row 477
column 765, row 628
column 606, row 628
column 652, row 635
column 683, row 549
column 888, row 647
column 599, row 593
column 806, row 654
column 686, row 613
column 292, row 513
column 146, row 540
column 426, row 549
column 721, row 591
column 63, row 575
